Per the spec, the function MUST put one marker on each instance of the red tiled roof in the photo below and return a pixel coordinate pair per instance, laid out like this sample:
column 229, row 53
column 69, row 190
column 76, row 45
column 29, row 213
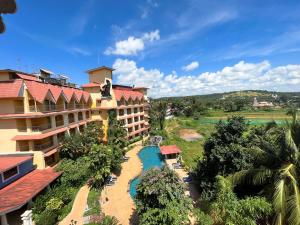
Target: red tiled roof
column 7, row 162
column 86, row 96
column 10, row 89
column 69, row 92
column 55, row 90
column 39, row 91
column 38, row 136
column 127, row 93
column 79, row 94
column 92, row 84
column 18, row 193
column 27, row 77
column 169, row 149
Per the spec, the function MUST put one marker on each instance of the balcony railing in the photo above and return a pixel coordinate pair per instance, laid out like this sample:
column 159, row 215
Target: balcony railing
column 53, row 108
column 41, row 127
column 35, row 128
column 46, row 108
column 24, row 148
column 39, row 147
column 59, row 123
column 19, row 109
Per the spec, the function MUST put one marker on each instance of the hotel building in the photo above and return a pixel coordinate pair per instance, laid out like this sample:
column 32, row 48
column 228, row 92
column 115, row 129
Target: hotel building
column 130, row 103
column 38, row 110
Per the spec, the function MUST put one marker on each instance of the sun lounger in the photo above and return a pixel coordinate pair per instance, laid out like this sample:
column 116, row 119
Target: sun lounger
column 187, row 179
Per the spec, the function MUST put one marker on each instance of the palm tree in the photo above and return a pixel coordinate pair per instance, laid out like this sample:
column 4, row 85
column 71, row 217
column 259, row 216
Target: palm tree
column 279, row 173
column 293, row 112
column 161, row 113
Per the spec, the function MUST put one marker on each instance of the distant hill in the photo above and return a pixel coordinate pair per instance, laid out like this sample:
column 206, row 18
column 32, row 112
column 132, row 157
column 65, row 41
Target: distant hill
column 247, row 96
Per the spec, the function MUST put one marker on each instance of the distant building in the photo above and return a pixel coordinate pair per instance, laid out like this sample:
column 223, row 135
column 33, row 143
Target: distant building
column 257, row 104
column 169, row 112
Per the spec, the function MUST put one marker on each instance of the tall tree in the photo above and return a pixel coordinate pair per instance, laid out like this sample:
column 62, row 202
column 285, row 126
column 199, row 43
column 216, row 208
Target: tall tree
column 160, row 198
column 228, row 209
column 278, row 172
column 117, row 140
column 224, row 153
column 99, row 160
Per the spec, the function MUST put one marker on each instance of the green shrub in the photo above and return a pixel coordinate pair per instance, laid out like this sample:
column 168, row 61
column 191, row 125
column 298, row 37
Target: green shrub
column 75, row 173
column 47, row 217
column 202, row 218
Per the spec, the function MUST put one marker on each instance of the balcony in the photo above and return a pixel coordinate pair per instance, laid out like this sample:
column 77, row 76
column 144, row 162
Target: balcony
column 40, row 128
column 46, row 108
column 43, row 146
column 24, row 148
column 19, row 109
column 59, row 123
column 79, row 106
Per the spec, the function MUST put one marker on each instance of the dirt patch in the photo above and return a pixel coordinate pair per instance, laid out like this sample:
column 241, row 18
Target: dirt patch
column 189, row 135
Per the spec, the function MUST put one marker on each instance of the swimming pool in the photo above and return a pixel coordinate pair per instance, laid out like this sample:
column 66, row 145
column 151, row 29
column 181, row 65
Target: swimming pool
column 150, row 157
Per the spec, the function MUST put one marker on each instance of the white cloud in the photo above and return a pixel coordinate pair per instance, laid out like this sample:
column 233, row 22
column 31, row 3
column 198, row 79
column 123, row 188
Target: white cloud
column 133, row 45
column 241, row 76
column 151, row 36
column 193, row 65
column 78, row 50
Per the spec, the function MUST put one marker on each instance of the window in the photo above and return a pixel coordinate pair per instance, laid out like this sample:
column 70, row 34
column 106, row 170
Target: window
column 121, row 112
column 10, row 173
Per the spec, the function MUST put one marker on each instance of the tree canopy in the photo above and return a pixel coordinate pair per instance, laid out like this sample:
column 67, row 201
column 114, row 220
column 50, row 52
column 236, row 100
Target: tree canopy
column 160, row 198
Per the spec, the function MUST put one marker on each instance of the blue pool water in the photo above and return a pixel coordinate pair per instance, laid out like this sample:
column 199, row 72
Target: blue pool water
column 150, row 157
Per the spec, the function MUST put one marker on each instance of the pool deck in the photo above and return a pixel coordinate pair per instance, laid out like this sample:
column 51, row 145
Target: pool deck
column 116, row 200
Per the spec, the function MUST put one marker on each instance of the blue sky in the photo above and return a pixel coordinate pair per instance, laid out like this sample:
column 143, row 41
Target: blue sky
column 173, row 47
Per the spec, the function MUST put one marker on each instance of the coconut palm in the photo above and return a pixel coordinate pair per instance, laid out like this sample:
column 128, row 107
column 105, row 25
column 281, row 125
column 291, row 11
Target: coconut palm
column 278, row 172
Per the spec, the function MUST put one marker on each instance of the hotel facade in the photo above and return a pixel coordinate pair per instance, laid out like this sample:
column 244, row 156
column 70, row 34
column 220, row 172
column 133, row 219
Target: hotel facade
column 38, row 110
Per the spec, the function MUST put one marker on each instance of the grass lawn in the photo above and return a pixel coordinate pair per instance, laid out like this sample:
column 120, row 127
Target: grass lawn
column 93, row 202
column 257, row 114
column 191, row 151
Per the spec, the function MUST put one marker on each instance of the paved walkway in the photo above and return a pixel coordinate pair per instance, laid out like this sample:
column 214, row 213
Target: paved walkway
column 116, row 200
column 78, row 208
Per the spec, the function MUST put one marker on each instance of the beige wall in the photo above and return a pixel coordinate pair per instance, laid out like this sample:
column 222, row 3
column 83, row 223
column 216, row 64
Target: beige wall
column 4, row 76
column 7, row 106
column 99, row 76
column 8, row 129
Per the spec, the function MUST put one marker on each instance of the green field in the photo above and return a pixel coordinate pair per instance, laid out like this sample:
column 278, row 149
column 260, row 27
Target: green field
column 191, row 151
